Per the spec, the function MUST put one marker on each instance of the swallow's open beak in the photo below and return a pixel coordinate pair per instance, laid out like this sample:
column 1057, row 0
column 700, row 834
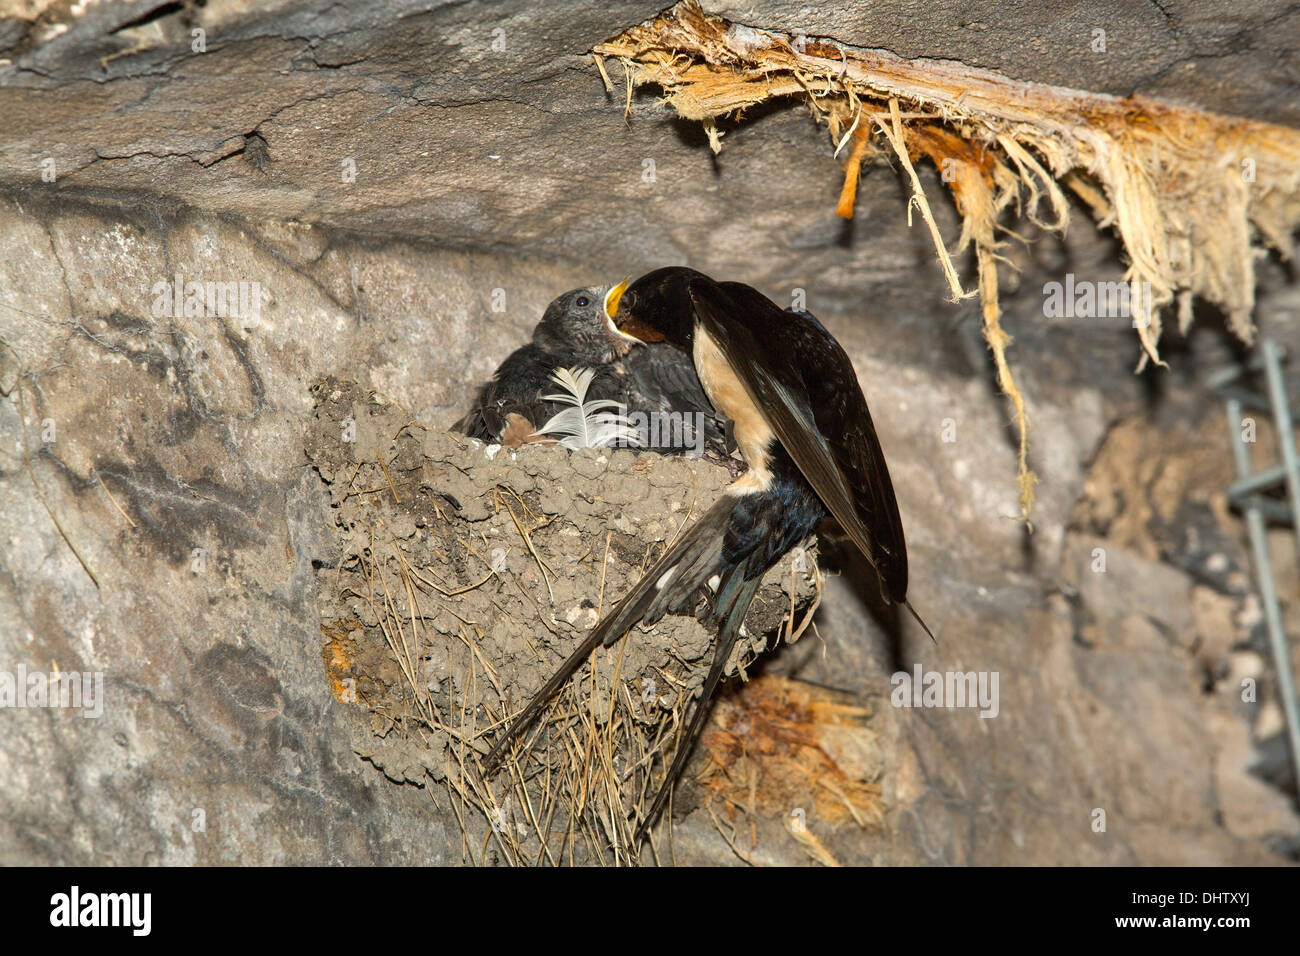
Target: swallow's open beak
column 622, row 341
column 612, row 297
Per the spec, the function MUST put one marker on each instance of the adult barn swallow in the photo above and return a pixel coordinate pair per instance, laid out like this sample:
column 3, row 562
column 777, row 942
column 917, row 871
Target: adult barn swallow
column 802, row 425
column 577, row 330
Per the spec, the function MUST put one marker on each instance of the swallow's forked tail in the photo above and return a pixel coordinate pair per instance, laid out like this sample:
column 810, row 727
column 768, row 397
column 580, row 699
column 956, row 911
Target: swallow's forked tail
column 734, row 598
column 671, row 585
column 908, row 604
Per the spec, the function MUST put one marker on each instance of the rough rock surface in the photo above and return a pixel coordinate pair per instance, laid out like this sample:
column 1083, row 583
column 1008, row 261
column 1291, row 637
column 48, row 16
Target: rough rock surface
column 488, row 181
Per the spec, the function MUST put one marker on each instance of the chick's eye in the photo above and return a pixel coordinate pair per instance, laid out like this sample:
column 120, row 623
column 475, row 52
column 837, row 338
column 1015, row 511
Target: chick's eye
column 583, row 302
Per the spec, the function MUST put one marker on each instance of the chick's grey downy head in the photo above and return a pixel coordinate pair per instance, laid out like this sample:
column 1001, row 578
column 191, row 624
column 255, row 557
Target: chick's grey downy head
column 581, row 321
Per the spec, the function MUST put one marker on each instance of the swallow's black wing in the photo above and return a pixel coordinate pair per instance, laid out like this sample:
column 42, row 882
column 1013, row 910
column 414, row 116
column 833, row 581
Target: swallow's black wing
column 483, row 421
column 804, row 384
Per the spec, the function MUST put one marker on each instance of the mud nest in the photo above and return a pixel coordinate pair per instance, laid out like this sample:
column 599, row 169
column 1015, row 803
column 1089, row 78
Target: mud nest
column 464, row 575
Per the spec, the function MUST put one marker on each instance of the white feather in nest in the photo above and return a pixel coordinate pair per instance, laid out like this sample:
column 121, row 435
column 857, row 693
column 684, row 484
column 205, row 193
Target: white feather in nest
column 586, row 424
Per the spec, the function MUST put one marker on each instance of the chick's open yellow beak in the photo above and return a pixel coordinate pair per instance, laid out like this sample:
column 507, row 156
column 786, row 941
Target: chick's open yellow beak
column 612, row 297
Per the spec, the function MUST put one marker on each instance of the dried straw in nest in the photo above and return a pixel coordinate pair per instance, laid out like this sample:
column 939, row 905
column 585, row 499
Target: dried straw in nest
column 1194, row 196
